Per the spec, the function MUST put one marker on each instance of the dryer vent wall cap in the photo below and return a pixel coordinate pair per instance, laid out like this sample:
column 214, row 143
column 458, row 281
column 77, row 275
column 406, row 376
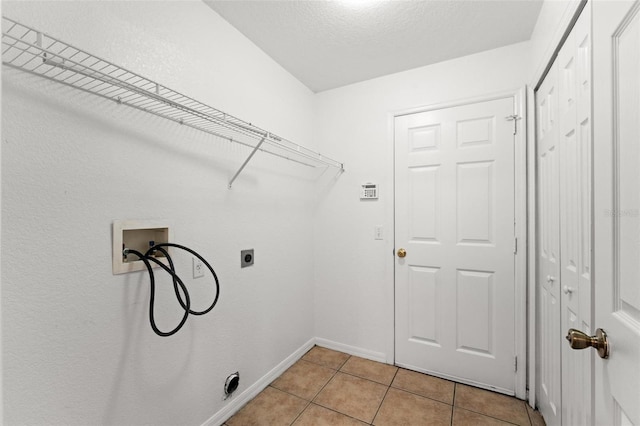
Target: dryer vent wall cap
column 231, row 384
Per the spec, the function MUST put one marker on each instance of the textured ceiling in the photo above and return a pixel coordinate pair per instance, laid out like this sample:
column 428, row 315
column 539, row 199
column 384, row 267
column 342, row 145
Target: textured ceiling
column 328, row 44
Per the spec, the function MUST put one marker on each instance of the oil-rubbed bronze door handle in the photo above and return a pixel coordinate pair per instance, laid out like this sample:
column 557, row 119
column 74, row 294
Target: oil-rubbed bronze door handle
column 578, row 340
column 402, row 252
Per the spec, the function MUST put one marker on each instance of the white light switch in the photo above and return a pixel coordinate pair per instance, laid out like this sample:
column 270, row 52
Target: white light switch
column 377, row 232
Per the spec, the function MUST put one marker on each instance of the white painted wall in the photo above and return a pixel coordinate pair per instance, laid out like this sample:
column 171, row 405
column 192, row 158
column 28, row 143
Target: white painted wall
column 77, row 346
column 353, row 272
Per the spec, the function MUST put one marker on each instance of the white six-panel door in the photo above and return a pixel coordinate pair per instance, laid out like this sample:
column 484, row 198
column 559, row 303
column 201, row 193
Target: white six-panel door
column 455, row 219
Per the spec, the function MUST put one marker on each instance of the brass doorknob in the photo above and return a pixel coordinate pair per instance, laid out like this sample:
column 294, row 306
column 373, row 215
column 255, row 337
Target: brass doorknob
column 402, row 252
column 579, row 340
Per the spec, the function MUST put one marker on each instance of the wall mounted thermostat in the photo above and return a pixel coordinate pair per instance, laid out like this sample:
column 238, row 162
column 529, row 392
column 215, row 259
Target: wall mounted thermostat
column 369, row 191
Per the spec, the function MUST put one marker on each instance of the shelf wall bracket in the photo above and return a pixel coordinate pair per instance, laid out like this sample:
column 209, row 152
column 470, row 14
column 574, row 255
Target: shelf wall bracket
column 255, row 149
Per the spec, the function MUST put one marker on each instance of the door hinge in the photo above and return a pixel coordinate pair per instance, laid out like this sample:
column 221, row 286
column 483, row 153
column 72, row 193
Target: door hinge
column 515, row 363
column 515, row 245
column 515, row 119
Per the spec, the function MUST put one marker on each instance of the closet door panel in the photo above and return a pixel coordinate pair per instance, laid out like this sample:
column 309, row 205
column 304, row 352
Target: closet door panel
column 575, row 217
column 565, row 218
column 549, row 242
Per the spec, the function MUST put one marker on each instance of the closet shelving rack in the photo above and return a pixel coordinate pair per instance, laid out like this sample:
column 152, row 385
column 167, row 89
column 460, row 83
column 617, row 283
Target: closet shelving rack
column 30, row 50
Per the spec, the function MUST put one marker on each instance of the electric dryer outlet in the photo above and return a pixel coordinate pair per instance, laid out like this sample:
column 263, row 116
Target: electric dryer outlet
column 246, row 258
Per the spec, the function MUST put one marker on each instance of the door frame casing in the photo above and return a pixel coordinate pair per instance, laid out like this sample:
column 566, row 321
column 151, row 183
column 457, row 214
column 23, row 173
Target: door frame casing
column 520, row 226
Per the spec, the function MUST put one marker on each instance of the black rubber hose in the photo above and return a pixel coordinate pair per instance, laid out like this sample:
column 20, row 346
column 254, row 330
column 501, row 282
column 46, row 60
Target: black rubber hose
column 171, row 271
column 152, row 295
column 149, row 253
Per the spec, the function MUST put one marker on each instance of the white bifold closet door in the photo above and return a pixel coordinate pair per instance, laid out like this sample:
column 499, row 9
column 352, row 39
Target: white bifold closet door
column 564, row 201
column 549, row 249
column 454, row 213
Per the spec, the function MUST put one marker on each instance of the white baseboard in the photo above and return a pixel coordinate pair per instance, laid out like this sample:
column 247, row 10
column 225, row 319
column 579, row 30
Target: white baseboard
column 352, row 350
column 252, row 391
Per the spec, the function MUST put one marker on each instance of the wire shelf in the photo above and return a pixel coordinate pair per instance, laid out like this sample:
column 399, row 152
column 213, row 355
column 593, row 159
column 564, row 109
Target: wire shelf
column 30, row 50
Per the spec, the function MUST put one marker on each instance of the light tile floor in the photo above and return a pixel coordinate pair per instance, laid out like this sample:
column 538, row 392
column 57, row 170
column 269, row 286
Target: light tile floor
column 327, row 387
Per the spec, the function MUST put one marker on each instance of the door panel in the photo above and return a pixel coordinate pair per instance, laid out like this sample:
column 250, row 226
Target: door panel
column 617, row 208
column 475, row 203
column 575, row 218
column 423, row 297
column 475, row 323
column 564, row 179
column 424, row 221
column 455, row 218
column 549, row 243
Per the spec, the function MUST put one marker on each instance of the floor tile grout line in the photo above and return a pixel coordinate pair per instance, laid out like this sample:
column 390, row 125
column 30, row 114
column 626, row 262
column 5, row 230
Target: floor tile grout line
column 402, row 389
column 391, row 384
column 345, row 361
column 424, row 396
column 298, row 396
column 274, row 388
column 394, row 376
column 485, row 415
column 385, row 396
column 352, row 375
column 300, row 413
column 453, row 402
column 526, row 407
column 324, row 365
column 420, row 395
column 339, row 370
column 367, row 379
column 309, row 401
column 335, row 372
column 287, row 392
column 325, row 385
column 380, row 406
column 314, row 395
column 339, row 412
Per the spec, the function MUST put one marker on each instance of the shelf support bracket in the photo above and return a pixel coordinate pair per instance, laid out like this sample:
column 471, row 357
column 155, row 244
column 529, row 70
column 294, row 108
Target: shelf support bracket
column 256, row 148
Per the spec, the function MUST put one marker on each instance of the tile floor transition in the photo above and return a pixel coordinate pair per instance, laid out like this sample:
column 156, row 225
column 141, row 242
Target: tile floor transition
column 326, row 387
